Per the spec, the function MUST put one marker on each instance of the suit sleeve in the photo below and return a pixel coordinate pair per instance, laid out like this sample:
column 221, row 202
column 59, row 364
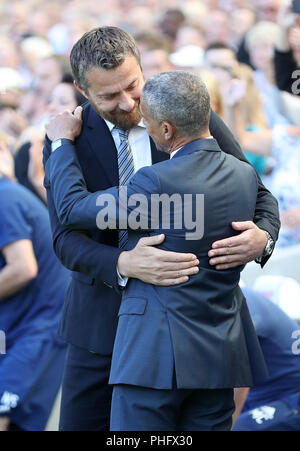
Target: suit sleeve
column 77, row 208
column 266, row 212
column 75, row 249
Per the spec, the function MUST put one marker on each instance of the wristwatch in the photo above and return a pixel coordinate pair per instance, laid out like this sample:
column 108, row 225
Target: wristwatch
column 268, row 249
column 269, row 246
column 59, row 142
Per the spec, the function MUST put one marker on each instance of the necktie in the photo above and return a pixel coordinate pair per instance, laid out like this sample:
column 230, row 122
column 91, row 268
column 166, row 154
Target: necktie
column 126, row 170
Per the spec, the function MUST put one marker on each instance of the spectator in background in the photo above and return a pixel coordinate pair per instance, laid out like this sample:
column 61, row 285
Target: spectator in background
column 280, row 107
column 32, row 50
column 146, row 40
column 287, row 50
column 240, row 22
column 189, row 35
column 216, row 27
column 245, row 116
column 28, row 162
column 32, row 288
column 16, row 13
column 170, row 22
column 64, row 97
column 266, row 9
column 220, row 58
column 155, row 60
column 222, row 61
column 212, row 85
column 9, row 56
column 48, row 73
column 12, row 121
column 275, row 404
column 140, row 18
column 29, row 168
column 194, row 12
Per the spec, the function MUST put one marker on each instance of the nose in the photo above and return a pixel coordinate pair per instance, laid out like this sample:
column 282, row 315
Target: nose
column 127, row 103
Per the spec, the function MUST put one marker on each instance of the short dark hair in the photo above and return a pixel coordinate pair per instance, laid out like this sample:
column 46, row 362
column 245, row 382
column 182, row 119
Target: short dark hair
column 219, row 46
column 103, row 47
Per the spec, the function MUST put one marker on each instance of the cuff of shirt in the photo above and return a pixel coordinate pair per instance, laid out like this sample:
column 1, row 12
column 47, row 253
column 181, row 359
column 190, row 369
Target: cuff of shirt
column 122, row 281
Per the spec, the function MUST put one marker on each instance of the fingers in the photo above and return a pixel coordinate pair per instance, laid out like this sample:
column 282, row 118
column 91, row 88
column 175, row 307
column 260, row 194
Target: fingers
column 180, row 266
column 177, row 257
column 166, row 256
column 78, row 113
column 172, row 282
column 152, row 240
column 227, row 251
column 229, row 265
column 228, row 243
column 227, row 256
column 244, row 225
column 237, row 240
column 228, row 261
column 176, row 275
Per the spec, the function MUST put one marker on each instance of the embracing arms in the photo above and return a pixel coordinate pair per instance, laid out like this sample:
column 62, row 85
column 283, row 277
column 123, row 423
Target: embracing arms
column 250, row 243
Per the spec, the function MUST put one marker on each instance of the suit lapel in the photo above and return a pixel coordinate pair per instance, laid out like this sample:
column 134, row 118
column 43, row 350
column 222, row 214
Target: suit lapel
column 102, row 145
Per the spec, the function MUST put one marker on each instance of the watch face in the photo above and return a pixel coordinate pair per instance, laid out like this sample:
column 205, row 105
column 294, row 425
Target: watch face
column 269, row 246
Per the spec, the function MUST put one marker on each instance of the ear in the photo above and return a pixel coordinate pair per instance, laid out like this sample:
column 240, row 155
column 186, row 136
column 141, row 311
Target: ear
column 80, row 89
column 168, row 130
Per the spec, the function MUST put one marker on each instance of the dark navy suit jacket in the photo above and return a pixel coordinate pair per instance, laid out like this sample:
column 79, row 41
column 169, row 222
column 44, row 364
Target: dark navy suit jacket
column 89, row 316
column 201, row 328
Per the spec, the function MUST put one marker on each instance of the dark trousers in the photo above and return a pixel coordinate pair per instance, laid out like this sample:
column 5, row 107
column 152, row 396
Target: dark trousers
column 86, row 395
column 146, row 409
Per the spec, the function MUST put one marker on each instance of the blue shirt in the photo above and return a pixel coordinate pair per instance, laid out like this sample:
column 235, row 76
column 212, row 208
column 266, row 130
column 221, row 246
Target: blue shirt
column 274, row 330
column 37, row 307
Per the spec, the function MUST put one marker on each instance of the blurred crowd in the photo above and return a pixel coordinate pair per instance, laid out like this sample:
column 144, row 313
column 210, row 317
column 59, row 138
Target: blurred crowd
column 247, row 52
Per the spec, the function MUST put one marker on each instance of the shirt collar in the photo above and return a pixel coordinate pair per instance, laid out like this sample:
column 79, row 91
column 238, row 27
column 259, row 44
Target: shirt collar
column 172, row 154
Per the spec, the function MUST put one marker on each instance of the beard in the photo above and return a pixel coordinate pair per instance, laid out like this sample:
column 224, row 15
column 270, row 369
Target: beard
column 121, row 119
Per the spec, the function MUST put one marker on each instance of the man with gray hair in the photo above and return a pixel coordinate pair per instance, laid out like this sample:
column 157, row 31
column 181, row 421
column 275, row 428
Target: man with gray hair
column 179, row 350
column 181, row 98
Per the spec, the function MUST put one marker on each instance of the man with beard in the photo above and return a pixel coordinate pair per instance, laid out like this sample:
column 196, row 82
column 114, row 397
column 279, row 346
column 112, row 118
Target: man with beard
column 112, row 145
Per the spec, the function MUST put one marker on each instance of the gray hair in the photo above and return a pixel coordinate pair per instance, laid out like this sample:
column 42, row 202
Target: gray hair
column 104, row 48
column 178, row 97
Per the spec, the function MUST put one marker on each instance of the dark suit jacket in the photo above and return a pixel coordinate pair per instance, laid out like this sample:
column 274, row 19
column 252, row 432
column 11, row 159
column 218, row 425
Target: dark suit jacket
column 201, row 328
column 89, row 316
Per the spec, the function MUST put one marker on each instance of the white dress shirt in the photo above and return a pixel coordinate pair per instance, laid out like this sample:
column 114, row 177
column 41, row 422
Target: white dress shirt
column 139, row 143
